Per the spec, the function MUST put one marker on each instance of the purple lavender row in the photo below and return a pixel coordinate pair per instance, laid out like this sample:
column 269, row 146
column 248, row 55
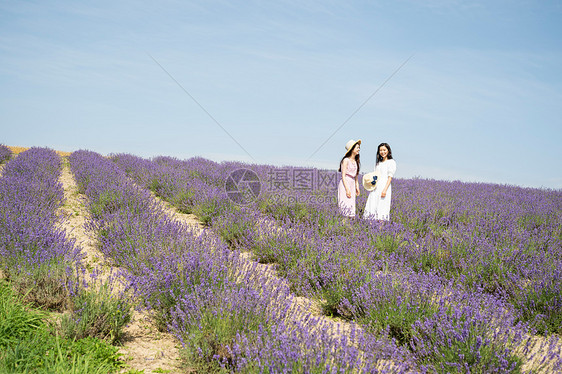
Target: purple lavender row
column 223, row 311
column 5, row 153
column 35, row 253
column 404, row 303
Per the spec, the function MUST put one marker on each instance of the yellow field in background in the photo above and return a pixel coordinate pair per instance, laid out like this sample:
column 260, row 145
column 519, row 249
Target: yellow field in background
column 17, row 150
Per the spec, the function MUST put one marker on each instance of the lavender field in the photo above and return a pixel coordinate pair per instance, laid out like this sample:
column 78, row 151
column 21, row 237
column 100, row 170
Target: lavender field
column 465, row 278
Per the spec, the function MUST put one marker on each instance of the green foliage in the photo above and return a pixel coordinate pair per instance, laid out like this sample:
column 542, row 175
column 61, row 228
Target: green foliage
column 206, row 349
column 16, row 321
column 284, row 251
column 107, row 202
column 183, row 200
column 265, row 248
column 426, row 261
column 541, row 306
column 293, row 211
column 99, row 350
column 44, row 286
column 531, row 221
column 492, row 275
column 329, row 225
column 332, row 297
column 397, row 317
column 463, row 344
column 46, row 353
column 183, row 282
column 206, row 210
column 97, row 313
column 28, row 344
column 209, row 334
column 194, row 174
column 387, row 243
column 346, row 279
column 156, row 186
column 234, row 232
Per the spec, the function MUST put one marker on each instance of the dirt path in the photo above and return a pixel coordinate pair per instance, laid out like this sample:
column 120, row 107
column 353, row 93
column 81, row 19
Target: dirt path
column 144, row 347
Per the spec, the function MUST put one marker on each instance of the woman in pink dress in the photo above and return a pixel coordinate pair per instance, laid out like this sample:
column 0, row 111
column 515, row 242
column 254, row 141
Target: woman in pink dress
column 348, row 187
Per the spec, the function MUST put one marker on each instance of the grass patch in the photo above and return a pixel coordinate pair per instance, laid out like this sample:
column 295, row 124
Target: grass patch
column 46, row 286
column 29, row 344
column 97, row 313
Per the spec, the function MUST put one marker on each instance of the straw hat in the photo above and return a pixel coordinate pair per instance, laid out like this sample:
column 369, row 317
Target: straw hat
column 350, row 144
column 370, row 180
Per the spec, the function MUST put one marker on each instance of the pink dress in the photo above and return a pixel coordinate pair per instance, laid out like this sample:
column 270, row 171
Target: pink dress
column 347, row 204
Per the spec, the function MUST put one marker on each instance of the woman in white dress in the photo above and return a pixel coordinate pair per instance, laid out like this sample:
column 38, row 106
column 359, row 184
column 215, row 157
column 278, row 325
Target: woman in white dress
column 378, row 201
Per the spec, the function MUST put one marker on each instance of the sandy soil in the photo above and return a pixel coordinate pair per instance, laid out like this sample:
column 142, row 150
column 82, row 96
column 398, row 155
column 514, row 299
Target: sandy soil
column 143, row 346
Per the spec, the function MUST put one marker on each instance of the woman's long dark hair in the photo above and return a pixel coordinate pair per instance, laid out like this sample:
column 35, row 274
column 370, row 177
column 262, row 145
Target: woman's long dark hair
column 357, row 159
column 388, row 157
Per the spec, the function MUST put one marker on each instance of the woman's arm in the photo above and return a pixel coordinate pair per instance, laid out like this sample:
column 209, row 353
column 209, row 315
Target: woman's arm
column 343, row 173
column 383, row 194
column 391, row 171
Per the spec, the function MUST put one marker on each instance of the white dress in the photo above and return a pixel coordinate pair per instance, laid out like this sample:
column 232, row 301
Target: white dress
column 378, row 207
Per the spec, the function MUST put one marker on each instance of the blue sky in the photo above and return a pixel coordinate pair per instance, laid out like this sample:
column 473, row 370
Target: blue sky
column 271, row 81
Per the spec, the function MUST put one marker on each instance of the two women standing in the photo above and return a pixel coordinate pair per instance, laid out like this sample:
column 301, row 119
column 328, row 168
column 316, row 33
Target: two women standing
column 378, row 201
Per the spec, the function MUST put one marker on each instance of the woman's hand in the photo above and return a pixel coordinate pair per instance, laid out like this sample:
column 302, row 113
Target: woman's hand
column 357, row 191
column 348, row 194
column 383, row 194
